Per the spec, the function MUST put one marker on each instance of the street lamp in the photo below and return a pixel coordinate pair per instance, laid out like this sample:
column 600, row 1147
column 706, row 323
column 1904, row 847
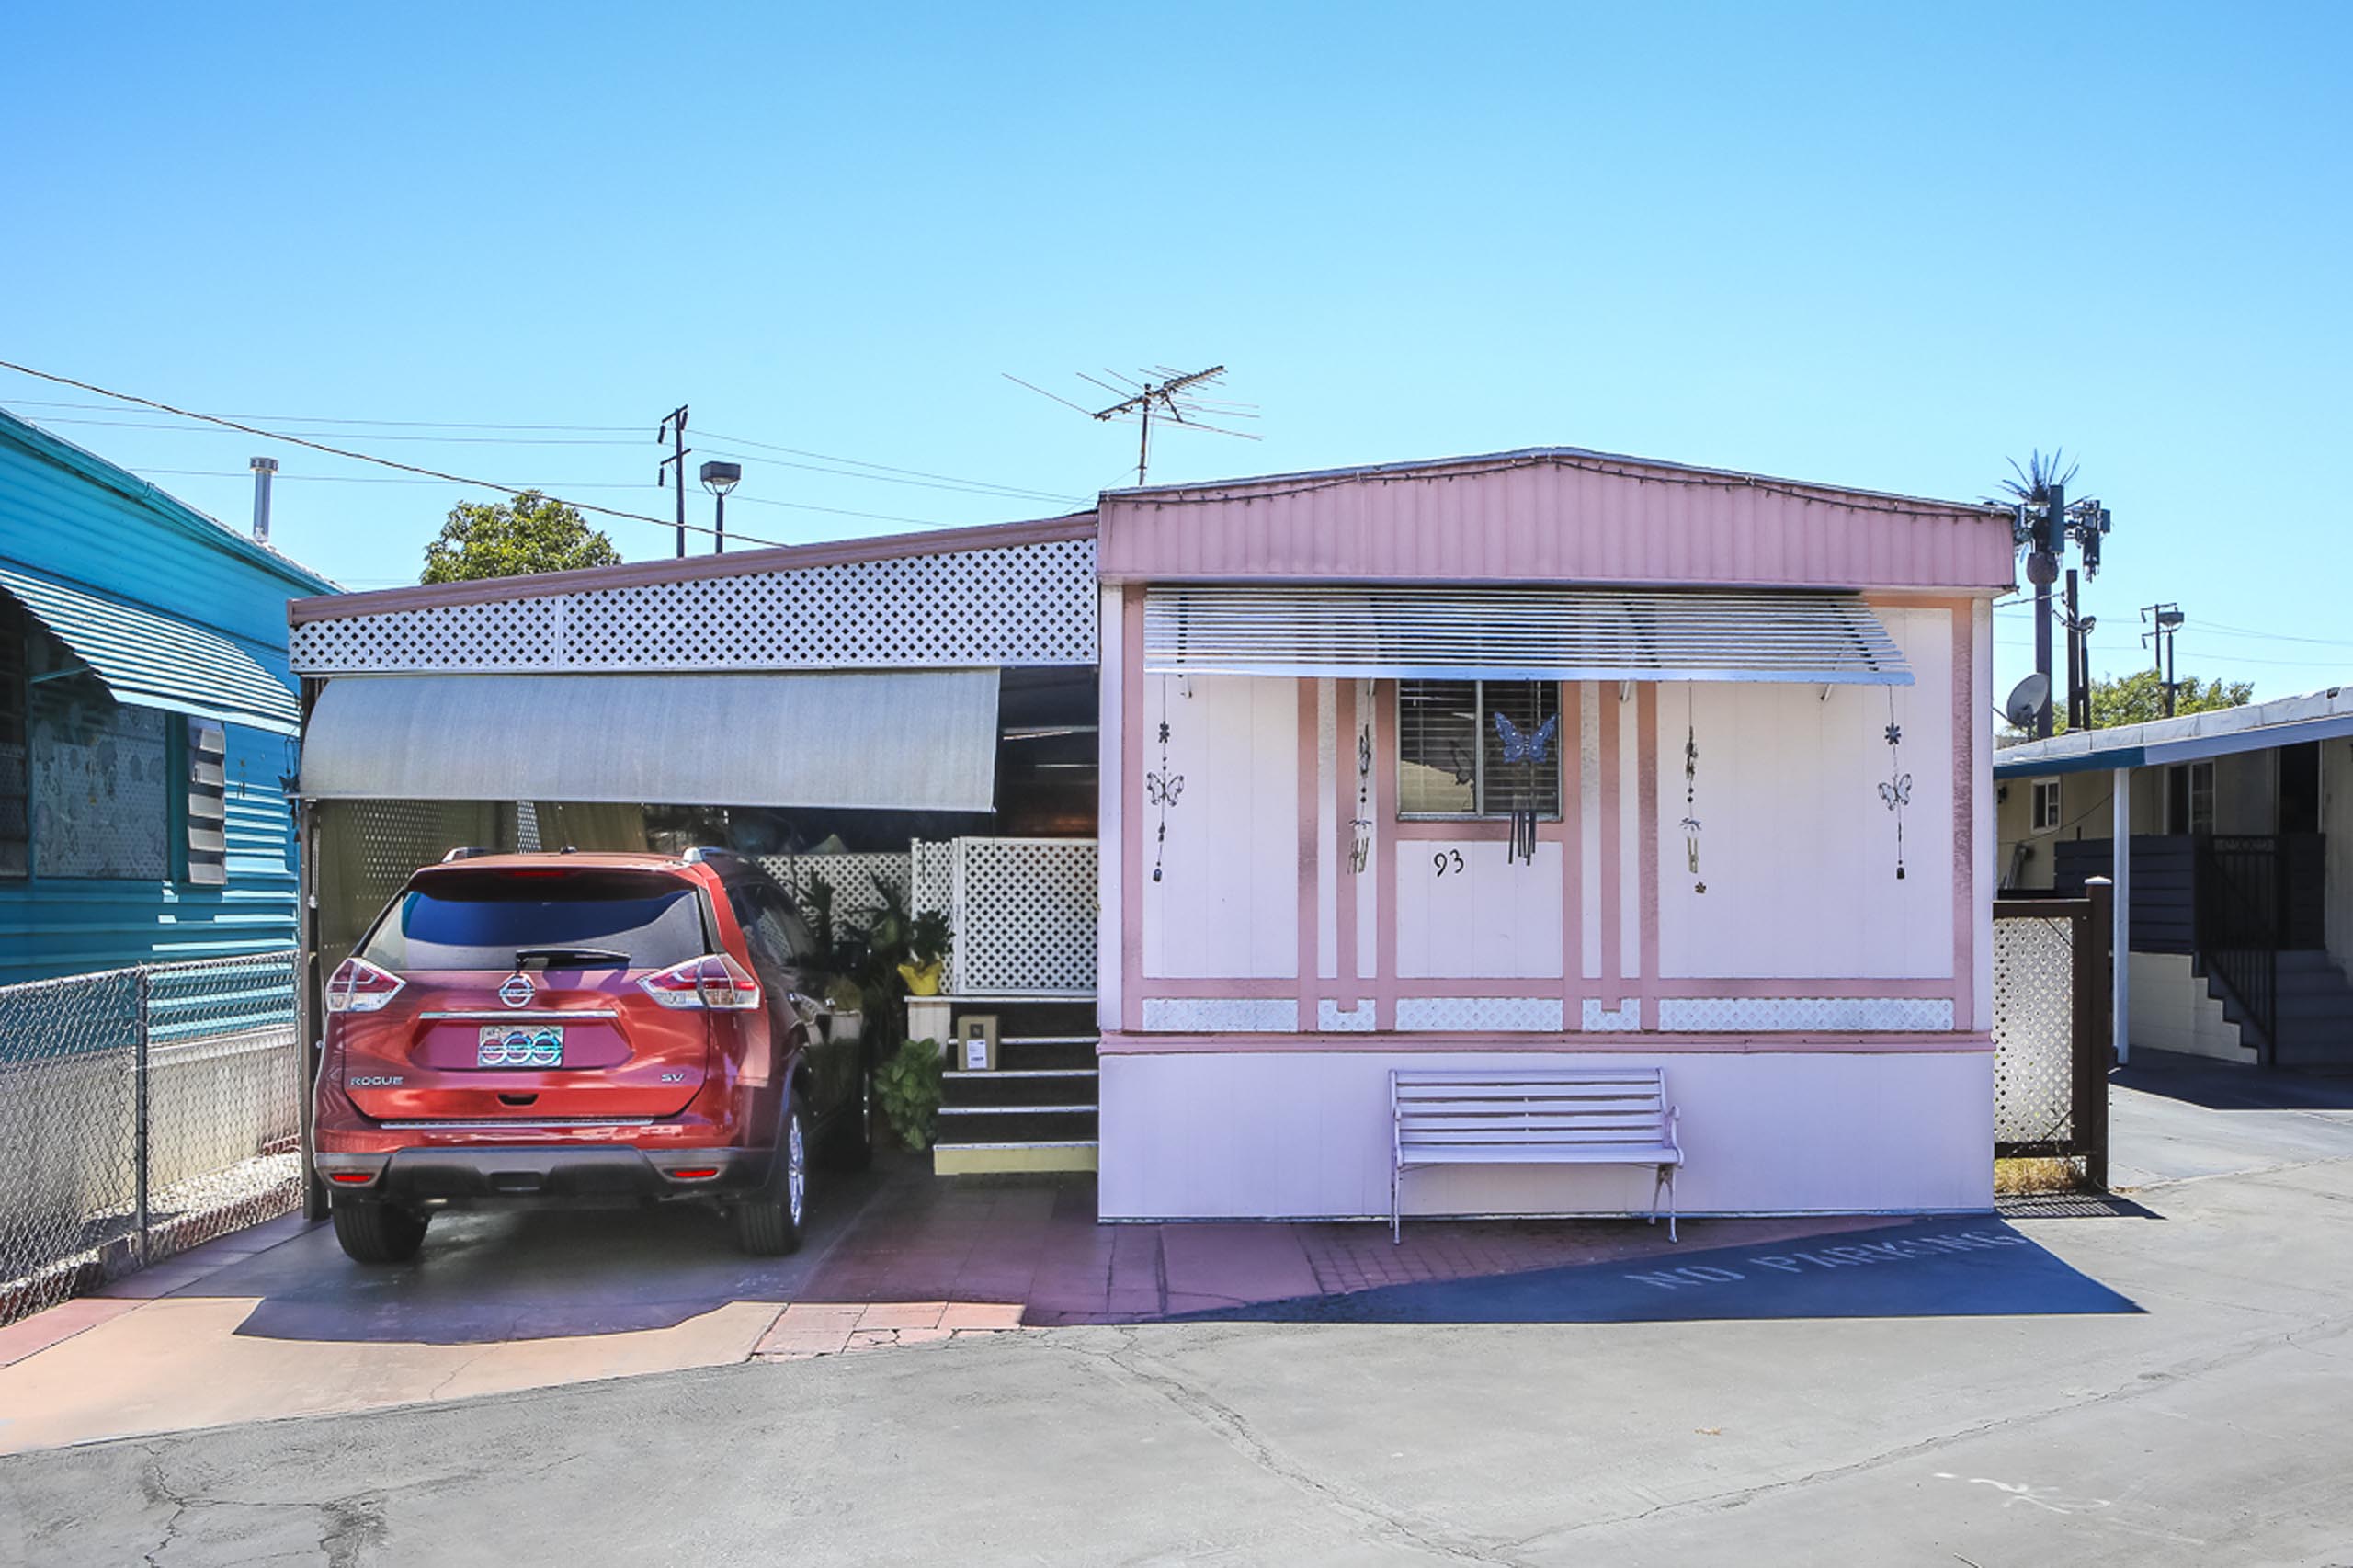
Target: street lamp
column 719, row 478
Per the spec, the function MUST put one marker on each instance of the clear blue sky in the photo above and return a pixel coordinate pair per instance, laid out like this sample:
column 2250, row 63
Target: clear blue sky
column 1891, row 247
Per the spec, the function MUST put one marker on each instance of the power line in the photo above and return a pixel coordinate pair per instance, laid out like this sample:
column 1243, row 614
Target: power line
column 371, row 434
column 333, row 451
column 886, row 468
column 323, row 419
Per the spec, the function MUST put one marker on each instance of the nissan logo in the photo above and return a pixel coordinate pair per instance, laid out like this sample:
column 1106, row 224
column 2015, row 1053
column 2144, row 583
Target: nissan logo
column 517, row 992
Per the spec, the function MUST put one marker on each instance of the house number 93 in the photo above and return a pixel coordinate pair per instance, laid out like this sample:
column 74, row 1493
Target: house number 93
column 1449, row 862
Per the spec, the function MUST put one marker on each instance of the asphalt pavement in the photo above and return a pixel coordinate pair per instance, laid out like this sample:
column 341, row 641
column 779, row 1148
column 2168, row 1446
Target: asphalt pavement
column 2166, row 1380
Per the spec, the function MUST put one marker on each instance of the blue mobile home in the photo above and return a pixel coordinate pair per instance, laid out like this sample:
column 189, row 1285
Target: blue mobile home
column 148, row 721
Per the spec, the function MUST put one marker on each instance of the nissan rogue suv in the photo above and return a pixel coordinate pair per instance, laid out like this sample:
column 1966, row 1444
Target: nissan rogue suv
column 582, row 1031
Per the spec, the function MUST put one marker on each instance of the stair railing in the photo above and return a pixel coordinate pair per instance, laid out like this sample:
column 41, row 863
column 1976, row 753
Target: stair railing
column 2239, row 924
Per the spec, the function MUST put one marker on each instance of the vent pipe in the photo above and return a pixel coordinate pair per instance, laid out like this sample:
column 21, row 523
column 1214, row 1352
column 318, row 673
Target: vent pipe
column 263, row 468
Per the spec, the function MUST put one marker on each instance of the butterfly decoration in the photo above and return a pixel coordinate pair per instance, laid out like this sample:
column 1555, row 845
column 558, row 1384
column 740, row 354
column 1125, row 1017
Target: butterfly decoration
column 1162, row 788
column 1896, row 792
column 1526, row 748
column 1690, row 822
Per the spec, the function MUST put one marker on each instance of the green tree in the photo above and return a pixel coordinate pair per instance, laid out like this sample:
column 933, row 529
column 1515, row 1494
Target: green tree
column 2140, row 696
column 514, row 539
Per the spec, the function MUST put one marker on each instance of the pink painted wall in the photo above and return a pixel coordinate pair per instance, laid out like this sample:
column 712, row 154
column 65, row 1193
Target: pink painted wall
column 1260, row 928
column 1557, row 516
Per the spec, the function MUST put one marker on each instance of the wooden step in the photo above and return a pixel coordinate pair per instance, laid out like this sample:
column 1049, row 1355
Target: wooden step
column 1035, row 1155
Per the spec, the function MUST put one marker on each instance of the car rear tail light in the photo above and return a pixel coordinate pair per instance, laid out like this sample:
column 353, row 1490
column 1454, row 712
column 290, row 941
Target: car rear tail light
column 351, row 1178
column 714, row 980
column 695, row 1173
column 358, row 987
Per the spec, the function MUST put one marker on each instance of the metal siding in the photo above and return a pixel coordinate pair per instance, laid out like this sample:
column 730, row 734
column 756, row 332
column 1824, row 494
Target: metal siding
column 52, row 926
column 883, row 739
column 60, row 520
column 1534, row 519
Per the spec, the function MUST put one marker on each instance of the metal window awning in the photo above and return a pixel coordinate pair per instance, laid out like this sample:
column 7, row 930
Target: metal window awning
column 1519, row 634
column 918, row 741
column 148, row 659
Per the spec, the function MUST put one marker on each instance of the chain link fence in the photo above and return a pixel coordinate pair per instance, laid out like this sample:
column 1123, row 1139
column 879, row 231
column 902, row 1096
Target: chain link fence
column 142, row 1111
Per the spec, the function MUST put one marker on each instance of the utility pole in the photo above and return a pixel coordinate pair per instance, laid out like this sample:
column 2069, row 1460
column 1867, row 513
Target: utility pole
column 2041, row 567
column 2043, row 524
column 673, row 430
column 2168, row 619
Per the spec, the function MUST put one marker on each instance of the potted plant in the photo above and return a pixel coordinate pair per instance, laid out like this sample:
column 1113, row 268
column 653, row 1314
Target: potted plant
column 908, row 1088
column 927, row 938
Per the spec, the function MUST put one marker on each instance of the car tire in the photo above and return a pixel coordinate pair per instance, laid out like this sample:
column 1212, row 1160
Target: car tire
column 374, row 1232
column 768, row 1223
column 853, row 1141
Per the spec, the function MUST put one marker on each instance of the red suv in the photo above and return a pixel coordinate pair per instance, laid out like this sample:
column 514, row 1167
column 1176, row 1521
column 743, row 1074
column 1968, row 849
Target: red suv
column 583, row 1031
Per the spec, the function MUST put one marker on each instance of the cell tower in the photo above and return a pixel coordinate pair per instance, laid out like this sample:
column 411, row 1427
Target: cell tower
column 1174, row 396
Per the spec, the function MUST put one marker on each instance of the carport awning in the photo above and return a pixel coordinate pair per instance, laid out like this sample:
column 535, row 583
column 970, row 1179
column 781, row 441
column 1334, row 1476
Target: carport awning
column 1536, row 633
column 148, row 659
column 917, row 741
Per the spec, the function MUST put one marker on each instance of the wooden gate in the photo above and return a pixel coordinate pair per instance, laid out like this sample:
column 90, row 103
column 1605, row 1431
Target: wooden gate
column 2053, row 1038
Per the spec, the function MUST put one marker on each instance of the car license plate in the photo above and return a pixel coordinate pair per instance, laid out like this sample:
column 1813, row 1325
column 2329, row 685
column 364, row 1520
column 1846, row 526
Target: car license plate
column 520, row 1045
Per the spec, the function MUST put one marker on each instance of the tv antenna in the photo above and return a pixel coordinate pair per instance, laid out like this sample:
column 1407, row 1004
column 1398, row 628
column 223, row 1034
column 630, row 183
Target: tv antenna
column 1174, row 395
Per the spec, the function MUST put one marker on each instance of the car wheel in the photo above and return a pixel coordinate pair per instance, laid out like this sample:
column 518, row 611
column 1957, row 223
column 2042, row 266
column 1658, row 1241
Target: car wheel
column 374, row 1232
column 853, row 1142
column 768, row 1222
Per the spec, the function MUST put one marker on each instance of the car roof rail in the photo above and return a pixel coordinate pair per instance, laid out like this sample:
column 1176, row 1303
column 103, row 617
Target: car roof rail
column 464, row 852
column 706, row 853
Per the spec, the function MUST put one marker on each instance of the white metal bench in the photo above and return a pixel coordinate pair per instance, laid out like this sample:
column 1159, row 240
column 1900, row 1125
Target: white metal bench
column 1576, row 1116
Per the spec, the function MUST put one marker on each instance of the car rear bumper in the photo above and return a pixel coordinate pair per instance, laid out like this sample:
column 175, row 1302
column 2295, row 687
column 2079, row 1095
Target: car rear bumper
column 527, row 1175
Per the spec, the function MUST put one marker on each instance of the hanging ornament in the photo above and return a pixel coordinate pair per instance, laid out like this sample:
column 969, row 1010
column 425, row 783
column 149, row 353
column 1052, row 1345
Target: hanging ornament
column 1691, row 792
column 1162, row 788
column 1895, row 789
column 1528, row 750
column 1360, row 825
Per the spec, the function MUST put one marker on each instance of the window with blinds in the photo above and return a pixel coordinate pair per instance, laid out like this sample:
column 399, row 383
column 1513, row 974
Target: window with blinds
column 1451, row 751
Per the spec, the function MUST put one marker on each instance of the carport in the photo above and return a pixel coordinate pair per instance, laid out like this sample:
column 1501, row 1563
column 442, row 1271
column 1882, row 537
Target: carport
column 920, row 708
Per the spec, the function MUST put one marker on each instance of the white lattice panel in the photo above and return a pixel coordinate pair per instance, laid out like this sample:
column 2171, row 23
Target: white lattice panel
column 1026, row 604
column 1802, row 1014
column 2034, row 1014
column 1598, row 1019
column 1221, row 1015
column 853, row 878
column 1024, row 915
column 1480, row 1014
column 1333, row 1018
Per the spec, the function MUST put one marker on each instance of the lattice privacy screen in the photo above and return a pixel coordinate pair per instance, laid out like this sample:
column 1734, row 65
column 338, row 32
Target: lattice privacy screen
column 2034, row 1012
column 1029, row 603
column 1024, row 915
column 853, row 878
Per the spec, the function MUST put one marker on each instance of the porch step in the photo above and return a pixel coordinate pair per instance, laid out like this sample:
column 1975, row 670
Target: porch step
column 2315, row 1009
column 1035, row 1111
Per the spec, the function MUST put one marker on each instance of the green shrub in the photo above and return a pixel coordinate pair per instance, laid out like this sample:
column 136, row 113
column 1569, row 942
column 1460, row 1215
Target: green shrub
column 908, row 1085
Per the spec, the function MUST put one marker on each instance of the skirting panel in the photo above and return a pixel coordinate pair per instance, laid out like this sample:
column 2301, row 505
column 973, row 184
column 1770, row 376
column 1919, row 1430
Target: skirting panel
column 1480, row 1014
column 1242, row 1014
column 1893, row 1015
column 1283, row 1135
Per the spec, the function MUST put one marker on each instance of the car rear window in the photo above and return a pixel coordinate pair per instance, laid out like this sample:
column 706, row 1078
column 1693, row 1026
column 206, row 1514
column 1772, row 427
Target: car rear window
column 458, row 921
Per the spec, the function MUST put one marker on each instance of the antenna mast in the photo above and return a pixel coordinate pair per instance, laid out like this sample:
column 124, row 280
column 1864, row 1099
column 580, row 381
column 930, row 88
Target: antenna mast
column 1170, row 396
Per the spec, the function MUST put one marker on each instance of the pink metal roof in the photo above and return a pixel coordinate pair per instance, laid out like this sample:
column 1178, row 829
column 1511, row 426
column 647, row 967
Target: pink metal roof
column 1551, row 515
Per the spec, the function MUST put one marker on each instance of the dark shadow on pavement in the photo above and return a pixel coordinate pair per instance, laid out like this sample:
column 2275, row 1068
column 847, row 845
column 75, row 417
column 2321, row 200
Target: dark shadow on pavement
column 1949, row 1268
column 491, row 1276
column 2228, row 1085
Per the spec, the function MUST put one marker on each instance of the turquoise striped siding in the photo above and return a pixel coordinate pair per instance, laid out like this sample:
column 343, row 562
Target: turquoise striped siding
column 71, row 515
column 53, row 926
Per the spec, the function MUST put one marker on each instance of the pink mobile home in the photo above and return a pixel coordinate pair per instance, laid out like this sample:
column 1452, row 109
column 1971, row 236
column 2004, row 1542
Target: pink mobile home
column 1545, row 759
column 1752, row 859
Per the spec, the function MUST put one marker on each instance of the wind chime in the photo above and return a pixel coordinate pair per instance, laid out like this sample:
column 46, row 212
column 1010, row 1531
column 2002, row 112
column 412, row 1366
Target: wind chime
column 1361, row 826
column 1691, row 792
column 1528, row 750
column 1162, row 788
column 1895, row 789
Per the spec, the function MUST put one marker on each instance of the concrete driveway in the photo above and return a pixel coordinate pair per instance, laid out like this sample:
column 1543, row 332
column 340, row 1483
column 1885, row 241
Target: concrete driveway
column 2162, row 1383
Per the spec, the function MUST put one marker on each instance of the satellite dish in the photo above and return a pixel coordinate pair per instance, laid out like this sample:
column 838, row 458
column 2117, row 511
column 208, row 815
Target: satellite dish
column 2028, row 700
